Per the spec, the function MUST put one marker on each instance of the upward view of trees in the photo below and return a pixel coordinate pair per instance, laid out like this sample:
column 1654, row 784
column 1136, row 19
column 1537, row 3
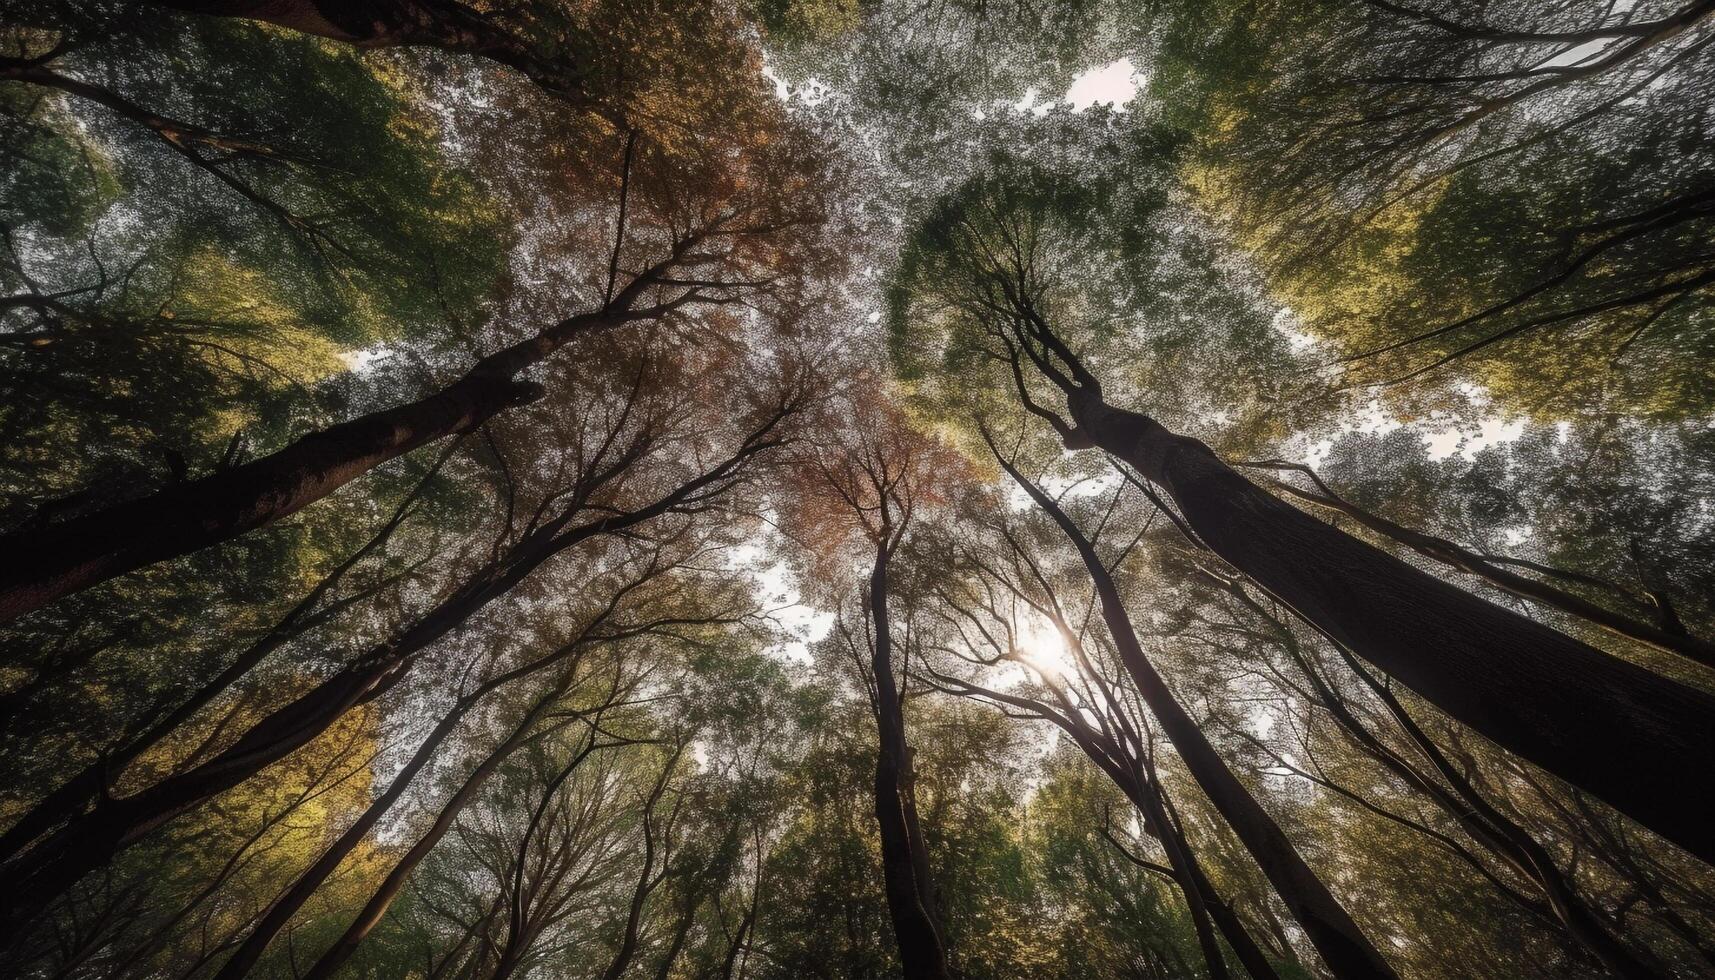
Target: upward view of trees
column 682, row 489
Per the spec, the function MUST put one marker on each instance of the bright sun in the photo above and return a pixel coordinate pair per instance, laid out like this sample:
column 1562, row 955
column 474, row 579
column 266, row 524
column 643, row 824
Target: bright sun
column 1043, row 649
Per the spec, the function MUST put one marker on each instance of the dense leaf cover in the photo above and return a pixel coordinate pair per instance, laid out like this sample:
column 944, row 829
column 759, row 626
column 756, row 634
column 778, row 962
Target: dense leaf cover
column 857, row 488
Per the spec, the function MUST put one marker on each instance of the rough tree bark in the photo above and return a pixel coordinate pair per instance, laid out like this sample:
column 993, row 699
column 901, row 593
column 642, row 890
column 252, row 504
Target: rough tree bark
column 920, row 949
column 1617, row 730
column 54, row 864
column 1342, row 945
column 1670, row 637
column 59, row 559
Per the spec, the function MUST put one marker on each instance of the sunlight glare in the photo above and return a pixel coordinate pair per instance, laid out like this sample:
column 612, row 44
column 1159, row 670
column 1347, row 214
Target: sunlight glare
column 1042, row 649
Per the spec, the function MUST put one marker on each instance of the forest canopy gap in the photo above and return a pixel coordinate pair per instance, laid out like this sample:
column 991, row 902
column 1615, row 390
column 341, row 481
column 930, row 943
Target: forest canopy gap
column 694, row 489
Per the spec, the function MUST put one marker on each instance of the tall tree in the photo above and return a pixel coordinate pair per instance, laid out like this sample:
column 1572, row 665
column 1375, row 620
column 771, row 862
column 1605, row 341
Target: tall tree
column 1588, row 717
column 872, row 478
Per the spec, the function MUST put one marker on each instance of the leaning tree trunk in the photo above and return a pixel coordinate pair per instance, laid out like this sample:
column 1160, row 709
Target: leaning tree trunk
column 382, row 898
column 1193, row 886
column 1343, row 946
column 371, row 23
column 920, row 949
column 95, row 780
column 1637, row 740
column 1670, row 636
column 49, row 562
column 1151, row 801
column 1201, row 897
column 287, row 905
column 1462, row 802
column 94, row 838
column 1227, row 920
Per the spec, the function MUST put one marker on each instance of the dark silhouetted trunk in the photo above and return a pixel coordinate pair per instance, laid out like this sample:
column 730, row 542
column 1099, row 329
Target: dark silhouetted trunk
column 41, row 874
column 1342, row 945
column 93, row 782
column 47, row 870
column 922, row 876
column 1607, row 726
column 72, row 555
column 1461, row 800
column 1149, row 802
column 1198, row 899
column 46, row 563
column 647, row 879
column 382, row 898
column 735, row 949
column 920, row 949
column 681, row 933
column 287, row 905
column 1125, row 770
column 1670, row 636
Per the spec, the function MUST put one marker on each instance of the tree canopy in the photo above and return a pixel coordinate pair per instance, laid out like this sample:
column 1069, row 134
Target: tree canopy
column 765, row 489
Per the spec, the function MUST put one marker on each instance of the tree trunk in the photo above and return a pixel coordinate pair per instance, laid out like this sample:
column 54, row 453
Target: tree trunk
column 74, row 795
column 1124, row 769
column 1342, row 945
column 647, row 879
column 1466, row 806
column 49, row 562
column 920, row 950
column 681, row 933
column 1225, row 919
column 1665, row 638
column 46, row 871
column 382, row 898
column 1192, row 885
column 55, row 864
column 72, row 555
column 922, row 876
column 729, row 963
column 1623, row 733
column 287, row 905
column 366, row 23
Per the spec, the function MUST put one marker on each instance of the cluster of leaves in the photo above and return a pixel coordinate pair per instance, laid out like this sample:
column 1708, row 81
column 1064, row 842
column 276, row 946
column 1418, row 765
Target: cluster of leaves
column 522, row 699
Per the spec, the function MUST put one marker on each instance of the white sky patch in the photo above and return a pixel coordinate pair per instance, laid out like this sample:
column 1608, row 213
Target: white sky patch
column 1571, row 57
column 1261, row 721
column 810, row 92
column 1286, row 322
column 1114, row 84
column 363, row 358
column 1029, row 103
column 1491, row 430
column 782, row 88
column 1317, row 452
column 801, row 623
column 1376, row 420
